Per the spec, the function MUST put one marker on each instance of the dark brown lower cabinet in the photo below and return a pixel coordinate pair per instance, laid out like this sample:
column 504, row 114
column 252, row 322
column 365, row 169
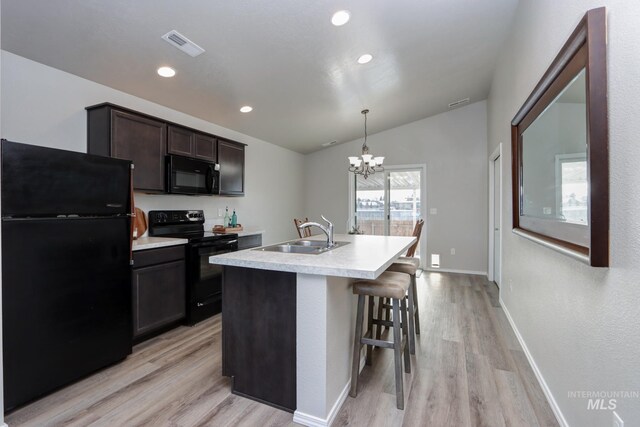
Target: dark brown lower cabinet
column 259, row 334
column 248, row 242
column 159, row 290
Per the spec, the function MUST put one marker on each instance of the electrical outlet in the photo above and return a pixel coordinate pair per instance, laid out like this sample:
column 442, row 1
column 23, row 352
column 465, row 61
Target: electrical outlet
column 433, row 211
column 453, row 251
column 617, row 421
column 220, row 212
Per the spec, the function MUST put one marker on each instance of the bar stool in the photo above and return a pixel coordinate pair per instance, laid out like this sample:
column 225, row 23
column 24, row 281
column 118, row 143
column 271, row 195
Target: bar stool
column 408, row 265
column 409, row 268
column 391, row 285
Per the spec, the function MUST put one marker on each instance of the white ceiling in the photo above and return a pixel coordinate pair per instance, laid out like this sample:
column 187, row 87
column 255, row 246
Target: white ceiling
column 283, row 57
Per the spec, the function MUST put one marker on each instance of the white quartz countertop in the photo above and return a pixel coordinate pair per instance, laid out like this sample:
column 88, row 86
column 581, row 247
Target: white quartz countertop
column 365, row 257
column 147, row 242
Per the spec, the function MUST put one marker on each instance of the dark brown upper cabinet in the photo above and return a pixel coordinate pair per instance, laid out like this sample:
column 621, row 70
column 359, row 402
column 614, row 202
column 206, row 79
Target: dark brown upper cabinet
column 186, row 142
column 116, row 131
column 205, row 147
column 231, row 159
column 180, row 141
column 560, row 150
column 127, row 135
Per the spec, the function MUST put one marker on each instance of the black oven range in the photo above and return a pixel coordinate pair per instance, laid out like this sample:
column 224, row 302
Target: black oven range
column 204, row 280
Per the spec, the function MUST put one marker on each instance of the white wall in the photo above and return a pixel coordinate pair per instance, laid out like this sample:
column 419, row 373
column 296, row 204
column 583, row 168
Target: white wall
column 580, row 324
column 45, row 106
column 453, row 145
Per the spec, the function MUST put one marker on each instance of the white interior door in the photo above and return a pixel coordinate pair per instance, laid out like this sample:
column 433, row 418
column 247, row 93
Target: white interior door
column 497, row 223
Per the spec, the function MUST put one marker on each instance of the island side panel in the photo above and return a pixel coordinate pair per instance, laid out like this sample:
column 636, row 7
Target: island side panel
column 325, row 328
column 259, row 334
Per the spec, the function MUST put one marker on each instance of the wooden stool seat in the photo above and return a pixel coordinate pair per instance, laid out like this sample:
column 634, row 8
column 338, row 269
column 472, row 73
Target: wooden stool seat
column 388, row 285
column 394, row 286
column 410, row 260
column 403, row 267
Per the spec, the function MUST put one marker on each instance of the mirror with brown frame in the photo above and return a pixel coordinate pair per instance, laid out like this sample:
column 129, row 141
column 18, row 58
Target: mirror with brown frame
column 560, row 160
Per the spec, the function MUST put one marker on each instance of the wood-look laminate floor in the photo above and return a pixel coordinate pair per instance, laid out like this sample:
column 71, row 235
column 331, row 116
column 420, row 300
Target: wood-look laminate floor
column 469, row 370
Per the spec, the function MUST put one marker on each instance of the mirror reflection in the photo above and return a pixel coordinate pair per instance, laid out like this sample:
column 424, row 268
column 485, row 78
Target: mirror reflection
column 554, row 159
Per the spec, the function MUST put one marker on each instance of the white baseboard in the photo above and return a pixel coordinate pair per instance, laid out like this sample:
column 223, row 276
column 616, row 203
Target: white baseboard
column 312, row 420
column 450, row 270
column 309, row 420
column 543, row 384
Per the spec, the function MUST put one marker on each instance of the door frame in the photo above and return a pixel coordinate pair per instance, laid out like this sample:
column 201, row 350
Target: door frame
column 497, row 153
column 423, row 205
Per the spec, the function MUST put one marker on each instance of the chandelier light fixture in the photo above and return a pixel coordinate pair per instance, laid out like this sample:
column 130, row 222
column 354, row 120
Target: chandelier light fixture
column 368, row 164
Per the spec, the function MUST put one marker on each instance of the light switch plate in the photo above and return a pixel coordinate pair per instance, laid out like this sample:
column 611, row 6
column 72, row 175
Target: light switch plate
column 433, row 211
column 220, row 212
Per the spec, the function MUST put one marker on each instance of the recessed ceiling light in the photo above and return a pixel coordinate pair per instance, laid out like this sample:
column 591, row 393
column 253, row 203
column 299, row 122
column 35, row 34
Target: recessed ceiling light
column 166, row 71
column 365, row 58
column 341, row 17
column 246, row 109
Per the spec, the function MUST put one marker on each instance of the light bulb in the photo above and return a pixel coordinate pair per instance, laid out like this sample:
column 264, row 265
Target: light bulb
column 353, row 160
column 379, row 160
column 340, row 18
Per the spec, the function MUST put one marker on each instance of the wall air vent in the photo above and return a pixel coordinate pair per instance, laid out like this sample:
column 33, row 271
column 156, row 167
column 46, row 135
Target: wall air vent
column 459, row 103
column 179, row 41
column 328, row 144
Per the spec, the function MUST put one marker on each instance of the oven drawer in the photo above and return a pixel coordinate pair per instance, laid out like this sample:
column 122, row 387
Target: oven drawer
column 203, row 290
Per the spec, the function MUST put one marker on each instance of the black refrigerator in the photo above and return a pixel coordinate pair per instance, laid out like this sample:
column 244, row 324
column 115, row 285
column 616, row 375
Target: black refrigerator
column 66, row 280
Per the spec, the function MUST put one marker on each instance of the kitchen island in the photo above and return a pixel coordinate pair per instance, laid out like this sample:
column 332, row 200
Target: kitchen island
column 288, row 321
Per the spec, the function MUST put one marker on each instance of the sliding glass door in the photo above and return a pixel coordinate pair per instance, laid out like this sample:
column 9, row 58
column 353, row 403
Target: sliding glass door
column 389, row 203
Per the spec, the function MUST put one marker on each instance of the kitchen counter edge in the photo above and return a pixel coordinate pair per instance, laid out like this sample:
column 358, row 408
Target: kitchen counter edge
column 144, row 243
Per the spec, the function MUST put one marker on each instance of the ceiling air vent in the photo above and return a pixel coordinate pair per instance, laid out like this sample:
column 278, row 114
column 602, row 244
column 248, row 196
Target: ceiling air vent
column 328, row 144
column 459, row 103
column 176, row 39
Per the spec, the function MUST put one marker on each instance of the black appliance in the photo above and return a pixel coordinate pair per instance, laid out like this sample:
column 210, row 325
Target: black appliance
column 190, row 176
column 204, row 280
column 66, row 279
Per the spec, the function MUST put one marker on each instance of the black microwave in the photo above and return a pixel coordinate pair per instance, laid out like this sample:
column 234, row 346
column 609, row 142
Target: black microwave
column 191, row 176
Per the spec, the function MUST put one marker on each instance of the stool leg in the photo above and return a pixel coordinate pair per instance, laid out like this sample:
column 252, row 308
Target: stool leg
column 397, row 357
column 370, row 326
column 387, row 310
column 355, row 367
column 379, row 327
column 415, row 303
column 412, row 336
column 407, row 358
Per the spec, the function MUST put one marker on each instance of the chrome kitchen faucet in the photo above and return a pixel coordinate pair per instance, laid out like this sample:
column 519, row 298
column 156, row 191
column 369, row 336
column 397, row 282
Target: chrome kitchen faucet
column 327, row 230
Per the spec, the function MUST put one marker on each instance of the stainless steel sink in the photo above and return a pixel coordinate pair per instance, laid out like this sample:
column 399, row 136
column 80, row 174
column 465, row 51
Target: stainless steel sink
column 320, row 243
column 311, row 247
